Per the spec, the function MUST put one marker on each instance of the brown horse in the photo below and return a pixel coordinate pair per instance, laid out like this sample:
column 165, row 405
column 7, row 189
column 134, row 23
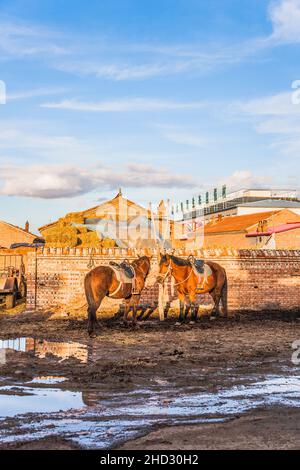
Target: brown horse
column 103, row 281
column 189, row 283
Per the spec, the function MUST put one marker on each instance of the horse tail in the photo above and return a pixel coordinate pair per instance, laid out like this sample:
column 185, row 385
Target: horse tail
column 92, row 307
column 89, row 292
column 224, row 295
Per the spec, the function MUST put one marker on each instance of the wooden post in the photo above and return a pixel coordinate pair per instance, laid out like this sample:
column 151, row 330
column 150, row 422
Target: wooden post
column 161, row 302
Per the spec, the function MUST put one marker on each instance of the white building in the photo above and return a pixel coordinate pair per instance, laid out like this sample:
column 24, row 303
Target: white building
column 245, row 201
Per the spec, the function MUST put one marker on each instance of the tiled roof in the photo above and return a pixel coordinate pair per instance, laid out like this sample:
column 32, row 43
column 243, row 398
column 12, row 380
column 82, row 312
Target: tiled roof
column 237, row 223
column 19, row 228
column 277, row 229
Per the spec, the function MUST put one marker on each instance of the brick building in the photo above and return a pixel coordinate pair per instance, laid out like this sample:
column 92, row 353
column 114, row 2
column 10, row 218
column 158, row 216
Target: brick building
column 262, row 230
column 10, row 234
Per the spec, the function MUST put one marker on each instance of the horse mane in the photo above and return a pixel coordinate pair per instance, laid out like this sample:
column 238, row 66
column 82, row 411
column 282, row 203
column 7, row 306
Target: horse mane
column 142, row 258
column 137, row 262
column 176, row 260
column 180, row 261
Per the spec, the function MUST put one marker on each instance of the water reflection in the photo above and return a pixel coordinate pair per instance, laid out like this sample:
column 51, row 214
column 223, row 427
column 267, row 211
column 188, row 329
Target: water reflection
column 47, row 380
column 40, row 348
column 21, row 400
column 100, row 419
column 107, row 419
column 17, row 344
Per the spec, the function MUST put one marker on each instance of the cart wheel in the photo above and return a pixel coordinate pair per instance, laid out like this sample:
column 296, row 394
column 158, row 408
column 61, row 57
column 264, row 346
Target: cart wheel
column 10, row 301
column 22, row 290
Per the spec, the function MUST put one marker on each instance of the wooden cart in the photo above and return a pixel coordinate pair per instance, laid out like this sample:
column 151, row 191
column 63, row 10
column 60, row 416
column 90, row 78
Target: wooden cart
column 12, row 279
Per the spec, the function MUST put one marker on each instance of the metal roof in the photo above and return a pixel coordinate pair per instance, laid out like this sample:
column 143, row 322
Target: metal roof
column 277, row 203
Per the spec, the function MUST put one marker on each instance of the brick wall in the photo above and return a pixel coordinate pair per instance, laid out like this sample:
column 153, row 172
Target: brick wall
column 258, row 279
column 291, row 238
column 10, row 234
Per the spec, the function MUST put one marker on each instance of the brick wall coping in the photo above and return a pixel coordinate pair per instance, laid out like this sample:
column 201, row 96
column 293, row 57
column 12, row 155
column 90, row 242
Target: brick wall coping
column 206, row 253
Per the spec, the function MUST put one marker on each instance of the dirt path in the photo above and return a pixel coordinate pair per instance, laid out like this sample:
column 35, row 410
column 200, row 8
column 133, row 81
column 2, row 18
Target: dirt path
column 271, row 429
column 167, row 361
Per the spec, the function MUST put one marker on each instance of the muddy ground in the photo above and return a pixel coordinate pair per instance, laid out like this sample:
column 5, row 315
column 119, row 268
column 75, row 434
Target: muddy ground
column 156, row 386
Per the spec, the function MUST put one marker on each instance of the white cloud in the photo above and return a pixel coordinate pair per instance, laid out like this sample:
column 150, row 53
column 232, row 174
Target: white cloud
column 19, row 40
column 45, row 182
column 35, row 141
column 60, row 181
column 275, row 105
column 118, row 72
column 20, row 136
column 285, row 17
column 276, row 115
column 36, row 92
column 157, row 62
column 163, row 60
column 132, row 104
column 279, row 126
column 245, row 179
column 185, row 138
column 122, row 61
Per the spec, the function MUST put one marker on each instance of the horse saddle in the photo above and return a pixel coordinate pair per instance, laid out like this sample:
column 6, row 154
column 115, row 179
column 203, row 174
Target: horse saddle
column 125, row 274
column 125, row 266
column 201, row 270
column 197, row 264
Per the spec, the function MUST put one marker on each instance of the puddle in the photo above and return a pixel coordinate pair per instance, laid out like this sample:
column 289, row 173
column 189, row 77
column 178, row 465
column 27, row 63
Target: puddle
column 18, row 344
column 98, row 419
column 48, row 380
column 40, row 348
column 20, row 400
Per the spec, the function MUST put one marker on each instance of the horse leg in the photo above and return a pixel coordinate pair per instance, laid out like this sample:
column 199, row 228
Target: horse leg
column 187, row 311
column 216, row 295
column 193, row 307
column 194, row 311
column 120, row 313
column 93, row 305
column 135, row 302
column 92, row 316
column 224, row 296
column 181, row 297
column 91, row 319
column 126, row 311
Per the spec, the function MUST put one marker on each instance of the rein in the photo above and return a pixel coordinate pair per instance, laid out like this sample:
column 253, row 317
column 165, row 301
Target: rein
column 170, row 270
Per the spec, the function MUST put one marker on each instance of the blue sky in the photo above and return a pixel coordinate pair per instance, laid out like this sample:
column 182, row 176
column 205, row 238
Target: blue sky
column 166, row 98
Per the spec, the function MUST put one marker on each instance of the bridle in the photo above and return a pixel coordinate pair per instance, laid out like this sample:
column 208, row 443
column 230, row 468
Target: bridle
column 140, row 269
column 170, row 271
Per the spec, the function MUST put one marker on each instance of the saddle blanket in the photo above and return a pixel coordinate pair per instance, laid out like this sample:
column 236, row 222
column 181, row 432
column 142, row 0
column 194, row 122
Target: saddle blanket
column 203, row 278
column 122, row 276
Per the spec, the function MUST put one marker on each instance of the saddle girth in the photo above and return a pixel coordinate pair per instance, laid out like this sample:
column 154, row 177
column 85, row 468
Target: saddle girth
column 125, row 274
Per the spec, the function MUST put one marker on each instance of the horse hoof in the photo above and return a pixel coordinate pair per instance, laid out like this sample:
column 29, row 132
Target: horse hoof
column 178, row 323
column 192, row 322
column 212, row 318
column 92, row 334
